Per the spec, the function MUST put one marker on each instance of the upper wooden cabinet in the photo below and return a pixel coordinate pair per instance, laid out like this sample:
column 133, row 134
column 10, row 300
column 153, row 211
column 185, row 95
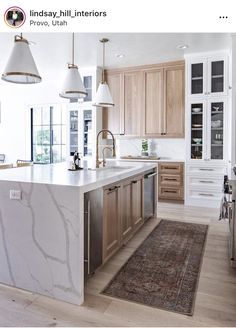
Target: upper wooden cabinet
column 163, row 102
column 174, row 101
column 124, row 117
column 149, row 102
column 132, row 102
column 153, row 102
column 113, row 117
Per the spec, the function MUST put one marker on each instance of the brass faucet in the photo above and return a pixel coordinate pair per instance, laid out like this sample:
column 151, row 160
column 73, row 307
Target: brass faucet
column 113, row 146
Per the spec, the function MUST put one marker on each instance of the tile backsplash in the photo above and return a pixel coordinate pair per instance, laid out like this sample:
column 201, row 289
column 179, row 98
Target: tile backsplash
column 173, row 148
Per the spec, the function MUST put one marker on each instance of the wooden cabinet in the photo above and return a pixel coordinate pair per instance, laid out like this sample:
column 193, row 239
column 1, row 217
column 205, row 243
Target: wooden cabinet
column 149, row 102
column 153, row 102
column 174, row 101
column 132, row 103
column 111, row 221
column 113, row 117
column 163, row 96
column 126, row 216
column 170, row 181
column 124, row 117
column 122, row 213
column 137, row 202
column 132, row 216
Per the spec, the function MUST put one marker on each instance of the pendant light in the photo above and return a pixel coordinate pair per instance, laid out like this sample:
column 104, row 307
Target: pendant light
column 21, row 67
column 103, row 96
column 73, row 87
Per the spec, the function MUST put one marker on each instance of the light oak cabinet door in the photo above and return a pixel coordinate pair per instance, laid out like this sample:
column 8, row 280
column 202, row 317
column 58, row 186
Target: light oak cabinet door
column 174, row 102
column 132, row 103
column 149, row 101
column 113, row 118
column 153, row 118
column 111, row 221
column 126, row 216
column 137, row 202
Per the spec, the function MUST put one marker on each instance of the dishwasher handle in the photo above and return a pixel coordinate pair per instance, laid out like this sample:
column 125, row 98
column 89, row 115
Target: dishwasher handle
column 150, row 175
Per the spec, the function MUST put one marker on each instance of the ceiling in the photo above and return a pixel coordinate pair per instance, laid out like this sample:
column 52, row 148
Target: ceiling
column 53, row 50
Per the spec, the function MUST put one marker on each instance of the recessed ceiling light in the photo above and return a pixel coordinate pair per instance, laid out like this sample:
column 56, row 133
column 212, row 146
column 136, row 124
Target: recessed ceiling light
column 120, row 55
column 182, row 46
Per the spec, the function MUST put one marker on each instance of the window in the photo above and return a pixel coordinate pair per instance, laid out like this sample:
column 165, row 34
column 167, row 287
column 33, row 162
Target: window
column 48, row 134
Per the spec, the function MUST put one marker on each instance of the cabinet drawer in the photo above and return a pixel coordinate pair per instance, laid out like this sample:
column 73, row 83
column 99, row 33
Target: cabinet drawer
column 170, row 193
column 172, row 168
column 170, row 180
column 205, row 182
column 206, row 194
column 206, row 169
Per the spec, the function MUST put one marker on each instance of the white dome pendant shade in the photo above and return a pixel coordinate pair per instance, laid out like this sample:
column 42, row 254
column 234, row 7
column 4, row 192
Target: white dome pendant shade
column 21, row 67
column 73, row 87
column 103, row 96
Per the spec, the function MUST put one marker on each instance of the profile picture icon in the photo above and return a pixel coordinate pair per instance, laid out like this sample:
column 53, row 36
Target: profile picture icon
column 14, row 17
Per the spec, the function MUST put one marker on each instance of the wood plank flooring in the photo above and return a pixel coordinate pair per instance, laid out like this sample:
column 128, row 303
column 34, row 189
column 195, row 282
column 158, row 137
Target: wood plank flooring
column 215, row 302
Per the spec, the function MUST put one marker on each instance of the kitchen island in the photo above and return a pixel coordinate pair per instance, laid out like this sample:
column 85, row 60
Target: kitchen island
column 42, row 225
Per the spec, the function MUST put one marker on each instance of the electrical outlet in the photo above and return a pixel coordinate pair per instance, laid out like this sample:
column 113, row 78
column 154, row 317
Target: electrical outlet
column 15, row 194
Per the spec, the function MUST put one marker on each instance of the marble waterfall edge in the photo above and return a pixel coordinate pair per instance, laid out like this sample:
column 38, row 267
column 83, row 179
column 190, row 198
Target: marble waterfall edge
column 41, row 240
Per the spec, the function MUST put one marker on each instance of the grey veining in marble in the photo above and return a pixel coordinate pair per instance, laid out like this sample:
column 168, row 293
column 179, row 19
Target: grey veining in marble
column 41, row 240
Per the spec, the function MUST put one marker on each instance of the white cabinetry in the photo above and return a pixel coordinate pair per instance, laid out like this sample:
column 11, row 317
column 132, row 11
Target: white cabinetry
column 84, row 120
column 207, row 75
column 207, row 133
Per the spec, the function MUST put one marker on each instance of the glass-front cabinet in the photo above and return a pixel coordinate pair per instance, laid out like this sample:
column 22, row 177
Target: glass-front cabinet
column 197, row 78
column 80, row 130
column 217, row 76
column 207, row 129
column 73, row 117
column 197, row 130
column 207, row 76
column 216, row 129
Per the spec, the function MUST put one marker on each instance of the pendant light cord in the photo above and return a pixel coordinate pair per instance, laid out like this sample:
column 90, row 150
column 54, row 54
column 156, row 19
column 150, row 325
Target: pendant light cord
column 73, row 48
column 103, row 63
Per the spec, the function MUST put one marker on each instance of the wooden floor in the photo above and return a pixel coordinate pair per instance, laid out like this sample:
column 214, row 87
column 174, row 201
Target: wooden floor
column 215, row 302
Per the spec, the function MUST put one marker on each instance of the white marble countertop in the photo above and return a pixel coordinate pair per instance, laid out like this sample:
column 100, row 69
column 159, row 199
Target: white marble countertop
column 162, row 159
column 57, row 174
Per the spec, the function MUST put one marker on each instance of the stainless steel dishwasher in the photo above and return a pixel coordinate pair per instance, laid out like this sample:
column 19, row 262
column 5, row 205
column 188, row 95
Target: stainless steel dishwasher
column 93, row 229
column 150, row 194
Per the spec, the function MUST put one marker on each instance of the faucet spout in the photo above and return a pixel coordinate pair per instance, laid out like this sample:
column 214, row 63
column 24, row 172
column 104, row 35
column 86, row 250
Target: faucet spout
column 113, row 146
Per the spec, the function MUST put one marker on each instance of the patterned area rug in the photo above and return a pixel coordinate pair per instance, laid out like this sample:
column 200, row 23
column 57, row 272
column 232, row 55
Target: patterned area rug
column 163, row 272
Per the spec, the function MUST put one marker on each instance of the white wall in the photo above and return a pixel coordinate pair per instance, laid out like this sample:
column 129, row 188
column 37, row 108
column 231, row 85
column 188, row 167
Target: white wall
column 15, row 114
column 172, row 148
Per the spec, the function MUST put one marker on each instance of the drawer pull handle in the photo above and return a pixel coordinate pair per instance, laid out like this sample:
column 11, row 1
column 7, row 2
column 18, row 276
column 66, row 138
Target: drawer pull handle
column 134, row 181
column 171, row 191
column 206, row 169
column 170, row 168
column 204, row 181
column 203, row 194
column 114, row 188
column 170, row 179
